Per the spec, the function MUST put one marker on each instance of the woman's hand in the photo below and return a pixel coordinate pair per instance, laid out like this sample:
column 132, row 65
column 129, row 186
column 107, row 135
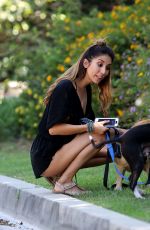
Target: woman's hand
column 98, row 133
column 99, row 127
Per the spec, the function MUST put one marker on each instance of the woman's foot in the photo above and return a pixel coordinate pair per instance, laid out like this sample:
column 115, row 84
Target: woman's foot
column 70, row 189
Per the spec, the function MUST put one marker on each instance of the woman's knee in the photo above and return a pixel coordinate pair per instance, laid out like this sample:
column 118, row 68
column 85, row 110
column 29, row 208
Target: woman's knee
column 98, row 138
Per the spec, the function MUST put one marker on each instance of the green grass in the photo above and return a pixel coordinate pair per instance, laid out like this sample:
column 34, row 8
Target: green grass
column 15, row 162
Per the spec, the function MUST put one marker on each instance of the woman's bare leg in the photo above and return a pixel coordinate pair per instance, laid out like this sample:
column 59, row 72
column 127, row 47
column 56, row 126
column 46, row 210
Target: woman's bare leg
column 98, row 159
column 95, row 161
column 66, row 155
column 69, row 152
column 87, row 153
column 81, row 154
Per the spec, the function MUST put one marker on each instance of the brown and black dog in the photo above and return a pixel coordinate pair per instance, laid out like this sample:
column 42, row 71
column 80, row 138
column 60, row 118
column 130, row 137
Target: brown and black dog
column 132, row 143
column 123, row 165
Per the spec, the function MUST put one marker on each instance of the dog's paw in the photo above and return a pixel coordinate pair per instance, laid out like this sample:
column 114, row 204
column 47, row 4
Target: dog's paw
column 141, row 191
column 140, row 197
column 137, row 193
column 118, row 188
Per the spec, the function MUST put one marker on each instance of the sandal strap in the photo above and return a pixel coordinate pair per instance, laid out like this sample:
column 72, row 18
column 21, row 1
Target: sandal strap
column 66, row 186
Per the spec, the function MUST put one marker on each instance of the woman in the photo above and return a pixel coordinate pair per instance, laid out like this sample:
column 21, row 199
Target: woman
column 62, row 145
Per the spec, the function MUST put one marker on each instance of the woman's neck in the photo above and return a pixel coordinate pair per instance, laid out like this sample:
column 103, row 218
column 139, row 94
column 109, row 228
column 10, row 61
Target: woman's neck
column 81, row 83
column 80, row 87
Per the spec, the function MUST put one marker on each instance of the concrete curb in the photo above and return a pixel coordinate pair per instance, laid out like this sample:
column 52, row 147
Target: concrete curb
column 44, row 210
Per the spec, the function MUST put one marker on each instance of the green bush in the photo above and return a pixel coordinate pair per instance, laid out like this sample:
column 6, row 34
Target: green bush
column 46, row 40
column 9, row 126
column 132, row 90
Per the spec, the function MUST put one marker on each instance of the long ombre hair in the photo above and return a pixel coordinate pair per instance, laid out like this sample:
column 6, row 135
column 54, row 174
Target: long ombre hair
column 78, row 70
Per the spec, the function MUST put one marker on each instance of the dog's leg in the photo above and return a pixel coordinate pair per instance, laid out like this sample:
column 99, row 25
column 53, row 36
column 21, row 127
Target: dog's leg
column 146, row 152
column 148, row 180
column 138, row 193
column 122, row 165
column 134, row 178
column 119, row 180
column 134, row 156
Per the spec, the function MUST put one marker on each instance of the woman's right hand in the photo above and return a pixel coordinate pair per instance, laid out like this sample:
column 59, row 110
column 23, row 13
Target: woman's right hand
column 99, row 127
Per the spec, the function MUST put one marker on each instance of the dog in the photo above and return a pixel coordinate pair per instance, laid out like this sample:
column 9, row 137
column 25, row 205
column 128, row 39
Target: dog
column 123, row 165
column 131, row 144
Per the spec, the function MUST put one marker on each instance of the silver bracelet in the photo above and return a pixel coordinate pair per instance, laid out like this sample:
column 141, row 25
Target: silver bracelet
column 90, row 126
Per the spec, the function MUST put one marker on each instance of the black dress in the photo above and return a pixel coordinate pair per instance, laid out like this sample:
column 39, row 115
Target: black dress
column 64, row 107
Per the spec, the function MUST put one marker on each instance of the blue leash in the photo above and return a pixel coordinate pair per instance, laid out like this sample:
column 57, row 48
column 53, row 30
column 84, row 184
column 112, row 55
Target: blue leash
column 112, row 154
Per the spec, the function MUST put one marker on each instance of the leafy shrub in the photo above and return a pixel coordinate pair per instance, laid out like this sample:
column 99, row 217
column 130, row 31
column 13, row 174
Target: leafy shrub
column 46, row 41
column 9, row 126
column 132, row 92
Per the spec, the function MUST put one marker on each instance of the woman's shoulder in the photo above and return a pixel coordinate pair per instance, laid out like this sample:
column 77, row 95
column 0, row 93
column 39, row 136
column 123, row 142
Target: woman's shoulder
column 65, row 83
column 63, row 87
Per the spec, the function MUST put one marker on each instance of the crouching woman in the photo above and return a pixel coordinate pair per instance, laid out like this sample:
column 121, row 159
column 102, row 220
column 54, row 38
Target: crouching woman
column 62, row 145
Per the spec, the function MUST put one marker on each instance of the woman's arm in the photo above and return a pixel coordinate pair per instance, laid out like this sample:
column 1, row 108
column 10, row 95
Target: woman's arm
column 67, row 129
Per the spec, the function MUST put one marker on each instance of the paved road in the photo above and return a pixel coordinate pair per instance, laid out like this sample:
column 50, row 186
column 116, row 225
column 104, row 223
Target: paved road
column 9, row 223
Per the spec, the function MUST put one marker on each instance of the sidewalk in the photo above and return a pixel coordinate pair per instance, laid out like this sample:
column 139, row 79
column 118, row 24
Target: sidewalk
column 47, row 211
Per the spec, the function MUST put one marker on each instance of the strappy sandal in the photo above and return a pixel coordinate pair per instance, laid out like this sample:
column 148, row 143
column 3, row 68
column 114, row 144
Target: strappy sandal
column 67, row 189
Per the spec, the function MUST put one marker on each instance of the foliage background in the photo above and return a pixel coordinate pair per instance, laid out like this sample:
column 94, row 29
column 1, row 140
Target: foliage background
column 39, row 40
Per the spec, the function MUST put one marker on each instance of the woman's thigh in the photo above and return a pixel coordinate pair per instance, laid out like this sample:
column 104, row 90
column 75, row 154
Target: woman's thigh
column 102, row 152
column 66, row 154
